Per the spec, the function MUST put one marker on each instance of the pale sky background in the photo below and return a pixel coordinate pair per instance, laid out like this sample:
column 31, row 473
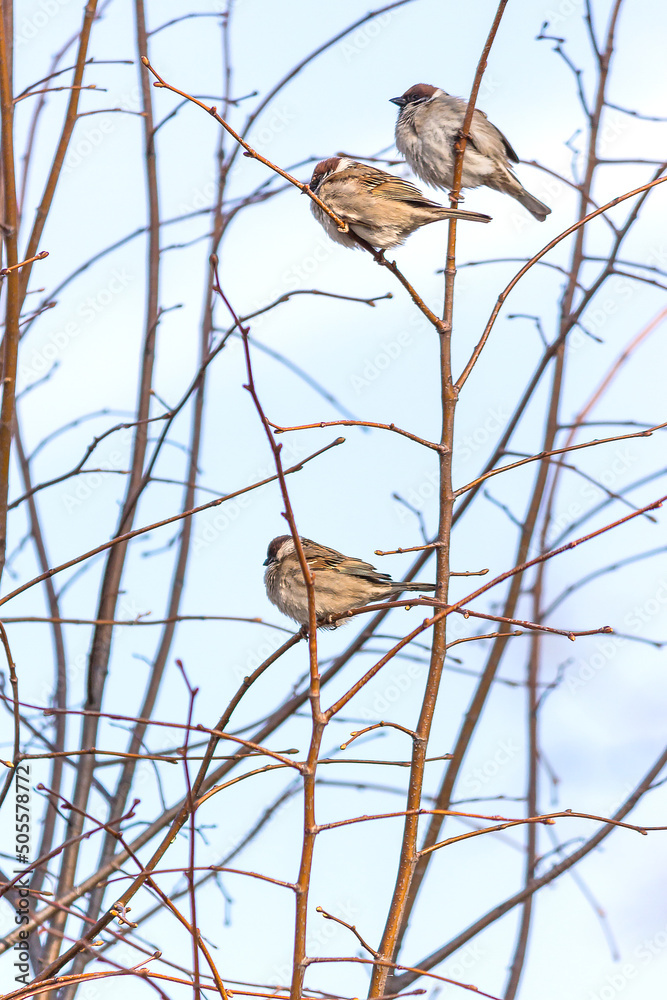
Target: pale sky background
column 604, row 725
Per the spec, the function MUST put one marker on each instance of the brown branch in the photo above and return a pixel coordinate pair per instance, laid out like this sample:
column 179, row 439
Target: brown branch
column 78, row 468
column 277, row 429
column 305, row 189
column 63, row 143
column 52, row 90
column 499, row 911
column 533, row 260
column 159, row 524
column 60, row 686
column 13, row 679
column 286, row 296
column 387, row 965
column 390, row 941
column 350, row 927
column 487, row 635
column 516, row 572
column 556, row 351
column 319, row 720
column 100, row 649
column 378, row 725
column 413, row 548
column 176, row 823
column 178, row 580
column 534, row 626
column 532, row 820
column 22, row 263
column 10, row 344
column 139, row 621
column 558, row 451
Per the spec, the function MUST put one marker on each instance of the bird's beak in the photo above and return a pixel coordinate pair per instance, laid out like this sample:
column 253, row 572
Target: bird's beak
column 397, row 100
column 265, row 563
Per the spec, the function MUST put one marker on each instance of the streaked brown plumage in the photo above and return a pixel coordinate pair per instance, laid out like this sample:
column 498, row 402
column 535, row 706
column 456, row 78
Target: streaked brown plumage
column 379, row 207
column 341, row 582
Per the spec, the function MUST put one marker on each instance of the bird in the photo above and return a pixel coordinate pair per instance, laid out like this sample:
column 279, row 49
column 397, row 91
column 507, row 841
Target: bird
column 341, row 582
column 427, row 129
column 379, row 207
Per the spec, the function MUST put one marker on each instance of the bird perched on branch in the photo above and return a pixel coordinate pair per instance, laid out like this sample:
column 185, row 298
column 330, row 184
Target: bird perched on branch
column 427, row 129
column 341, row 582
column 380, row 208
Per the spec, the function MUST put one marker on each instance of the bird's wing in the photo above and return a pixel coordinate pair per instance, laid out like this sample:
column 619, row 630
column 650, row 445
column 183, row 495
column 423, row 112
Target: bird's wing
column 483, row 129
column 397, row 188
column 357, row 567
column 511, row 155
column 319, row 557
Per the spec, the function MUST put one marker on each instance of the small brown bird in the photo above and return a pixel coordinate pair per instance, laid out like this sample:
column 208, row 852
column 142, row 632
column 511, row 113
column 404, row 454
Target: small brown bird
column 341, row 582
column 380, row 208
column 427, row 130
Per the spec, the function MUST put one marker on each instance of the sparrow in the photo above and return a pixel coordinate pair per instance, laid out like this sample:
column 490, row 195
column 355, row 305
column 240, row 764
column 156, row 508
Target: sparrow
column 427, row 130
column 341, row 582
column 380, row 208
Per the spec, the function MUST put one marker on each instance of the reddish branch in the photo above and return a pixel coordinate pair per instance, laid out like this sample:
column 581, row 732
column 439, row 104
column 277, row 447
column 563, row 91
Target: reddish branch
column 10, row 343
column 408, row 860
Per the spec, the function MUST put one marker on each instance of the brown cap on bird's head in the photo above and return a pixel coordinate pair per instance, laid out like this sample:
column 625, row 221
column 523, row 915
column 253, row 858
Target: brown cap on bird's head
column 275, row 546
column 420, row 92
column 322, row 170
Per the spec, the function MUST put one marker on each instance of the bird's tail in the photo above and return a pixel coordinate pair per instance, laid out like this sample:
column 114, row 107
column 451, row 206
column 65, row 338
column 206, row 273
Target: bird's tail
column 536, row 208
column 417, row 586
column 507, row 182
column 461, row 213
